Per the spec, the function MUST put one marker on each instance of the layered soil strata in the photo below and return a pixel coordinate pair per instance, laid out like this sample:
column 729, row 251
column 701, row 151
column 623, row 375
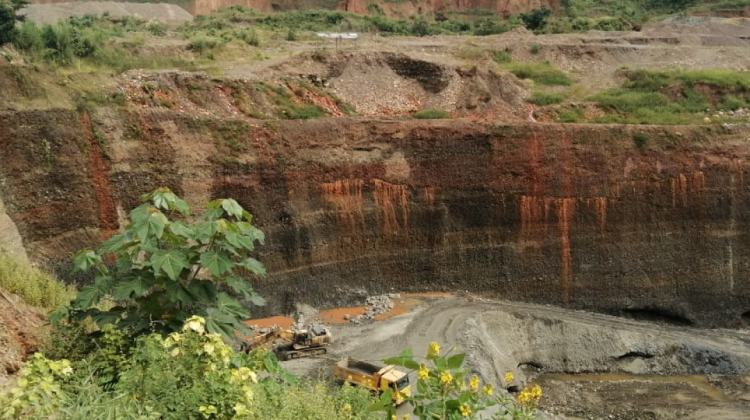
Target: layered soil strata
column 572, row 215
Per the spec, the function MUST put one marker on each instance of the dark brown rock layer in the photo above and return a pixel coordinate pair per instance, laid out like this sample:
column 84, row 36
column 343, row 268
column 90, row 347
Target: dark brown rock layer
column 576, row 216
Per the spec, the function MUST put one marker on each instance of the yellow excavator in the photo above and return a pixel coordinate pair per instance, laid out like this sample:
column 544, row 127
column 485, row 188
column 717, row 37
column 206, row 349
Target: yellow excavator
column 293, row 344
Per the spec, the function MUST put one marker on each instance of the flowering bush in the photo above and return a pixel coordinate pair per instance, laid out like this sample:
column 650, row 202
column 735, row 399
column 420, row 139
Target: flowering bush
column 38, row 391
column 446, row 390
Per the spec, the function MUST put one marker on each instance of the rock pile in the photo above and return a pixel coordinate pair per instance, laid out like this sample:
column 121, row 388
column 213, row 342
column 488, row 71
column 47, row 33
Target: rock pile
column 375, row 305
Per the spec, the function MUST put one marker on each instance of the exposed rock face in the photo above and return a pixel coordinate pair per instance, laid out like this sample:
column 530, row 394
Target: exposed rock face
column 408, row 8
column 570, row 215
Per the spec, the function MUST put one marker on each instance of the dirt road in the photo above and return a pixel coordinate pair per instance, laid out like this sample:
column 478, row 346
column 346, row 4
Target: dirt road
column 698, row 370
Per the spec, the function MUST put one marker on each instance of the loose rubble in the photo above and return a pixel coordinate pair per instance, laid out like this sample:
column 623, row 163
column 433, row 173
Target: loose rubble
column 375, row 305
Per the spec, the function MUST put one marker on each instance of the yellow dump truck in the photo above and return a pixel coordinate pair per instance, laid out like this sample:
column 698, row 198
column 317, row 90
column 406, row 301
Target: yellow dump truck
column 375, row 377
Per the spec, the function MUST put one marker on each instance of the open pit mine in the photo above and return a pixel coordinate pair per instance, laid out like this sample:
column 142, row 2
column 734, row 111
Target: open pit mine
column 563, row 249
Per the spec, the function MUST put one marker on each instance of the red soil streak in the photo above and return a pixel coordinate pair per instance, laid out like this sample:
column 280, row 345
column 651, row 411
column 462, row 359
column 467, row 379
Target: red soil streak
column 599, row 205
column 346, row 194
column 535, row 174
column 106, row 209
column 565, row 210
column 388, row 196
column 324, row 102
column 698, row 181
column 336, row 316
column 282, row 321
column 429, row 195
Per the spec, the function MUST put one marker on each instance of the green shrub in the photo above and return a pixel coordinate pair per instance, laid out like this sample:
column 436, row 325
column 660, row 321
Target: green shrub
column 541, row 73
column 156, row 282
column 501, row 57
column 33, row 285
column 570, row 115
column 535, row 48
column 545, row 98
column 431, row 114
column 640, row 140
column 157, row 28
column 201, row 44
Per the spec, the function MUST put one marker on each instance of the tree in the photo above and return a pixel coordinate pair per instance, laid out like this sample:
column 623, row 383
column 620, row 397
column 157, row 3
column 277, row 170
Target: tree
column 159, row 272
column 536, row 19
column 9, row 17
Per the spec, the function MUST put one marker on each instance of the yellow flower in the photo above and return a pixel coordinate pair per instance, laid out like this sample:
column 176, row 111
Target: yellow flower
column 474, row 383
column 465, row 410
column 530, row 396
column 433, row 351
column 346, row 407
column 423, row 372
column 445, row 377
column 241, row 409
column 209, row 348
column 207, row 411
column 487, row 389
column 509, row 378
column 195, row 323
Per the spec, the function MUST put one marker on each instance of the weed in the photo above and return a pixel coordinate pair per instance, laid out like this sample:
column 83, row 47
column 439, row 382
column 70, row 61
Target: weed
column 535, row 48
column 33, row 285
column 431, row 114
column 545, row 98
column 570, row 115
column 640, row 140
column 542, row 73
column 502, row 57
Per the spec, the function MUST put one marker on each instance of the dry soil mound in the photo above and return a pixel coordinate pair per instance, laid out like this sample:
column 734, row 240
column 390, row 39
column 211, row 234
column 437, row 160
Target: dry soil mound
column 20, row 330
column 51, row 13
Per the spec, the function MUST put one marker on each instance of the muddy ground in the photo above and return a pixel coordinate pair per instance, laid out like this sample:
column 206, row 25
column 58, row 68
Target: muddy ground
column 612, row 368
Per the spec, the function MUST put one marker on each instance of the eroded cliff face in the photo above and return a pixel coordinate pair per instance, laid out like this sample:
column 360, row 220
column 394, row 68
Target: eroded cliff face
column 569, row 215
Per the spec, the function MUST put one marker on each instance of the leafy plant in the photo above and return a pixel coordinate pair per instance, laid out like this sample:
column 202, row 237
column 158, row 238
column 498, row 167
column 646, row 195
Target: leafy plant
column 640, row 140
column 38, row 391
column 431, row 114
column 8, row 18
column 164, row 271
column 542, row 73
column 501, row 57
column 546, row 98
column 535, row 48
column 447, row 390
column 33, row 285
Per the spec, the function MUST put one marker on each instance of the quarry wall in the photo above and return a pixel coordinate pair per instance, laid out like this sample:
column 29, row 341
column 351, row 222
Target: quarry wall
column 579, row 216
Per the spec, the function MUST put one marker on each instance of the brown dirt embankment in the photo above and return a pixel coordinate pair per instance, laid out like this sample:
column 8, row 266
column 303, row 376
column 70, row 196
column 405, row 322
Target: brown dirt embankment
column 20, row 333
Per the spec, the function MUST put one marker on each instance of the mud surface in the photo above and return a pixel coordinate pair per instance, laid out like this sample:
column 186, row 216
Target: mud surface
column 686, row 374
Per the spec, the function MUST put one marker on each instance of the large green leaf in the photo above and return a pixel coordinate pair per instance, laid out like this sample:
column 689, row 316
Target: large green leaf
column 181, row 229
column 229, row 305
column 257, row 299
column 216, row 262
column 153, row 225
column 232, row 208
column 88, row 296
column 203, row 291
column 240, row 285
column 167, row 200
column 218, row 322
column 205, row 230
column 85, row 259
column 115, row 243
column 141, row 213
column 128, row 288
column 455, row 361
column 171, row 261
column 255, row 266
column 176, row 292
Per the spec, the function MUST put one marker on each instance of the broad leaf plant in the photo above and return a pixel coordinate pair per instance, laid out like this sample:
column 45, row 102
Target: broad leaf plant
column 160, row 271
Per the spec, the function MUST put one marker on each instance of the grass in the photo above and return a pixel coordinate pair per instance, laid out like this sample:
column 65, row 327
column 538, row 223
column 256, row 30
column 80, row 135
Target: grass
column 431, row 114
column 546, row 98
column 34, row 286
column 542, row 73
column 673, row 97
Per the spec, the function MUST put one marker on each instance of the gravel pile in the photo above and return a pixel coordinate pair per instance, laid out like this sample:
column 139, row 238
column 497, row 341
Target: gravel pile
column 375, row 305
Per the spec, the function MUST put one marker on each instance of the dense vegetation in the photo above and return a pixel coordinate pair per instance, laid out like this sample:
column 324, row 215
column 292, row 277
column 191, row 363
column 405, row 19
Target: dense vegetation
column 146, row 359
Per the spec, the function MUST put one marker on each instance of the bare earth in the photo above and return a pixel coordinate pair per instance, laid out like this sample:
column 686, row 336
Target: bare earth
column 671, row 372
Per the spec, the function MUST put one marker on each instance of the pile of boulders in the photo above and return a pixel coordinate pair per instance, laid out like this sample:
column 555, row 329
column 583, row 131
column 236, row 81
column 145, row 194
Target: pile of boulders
column 741, row 113
column 375, row 305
